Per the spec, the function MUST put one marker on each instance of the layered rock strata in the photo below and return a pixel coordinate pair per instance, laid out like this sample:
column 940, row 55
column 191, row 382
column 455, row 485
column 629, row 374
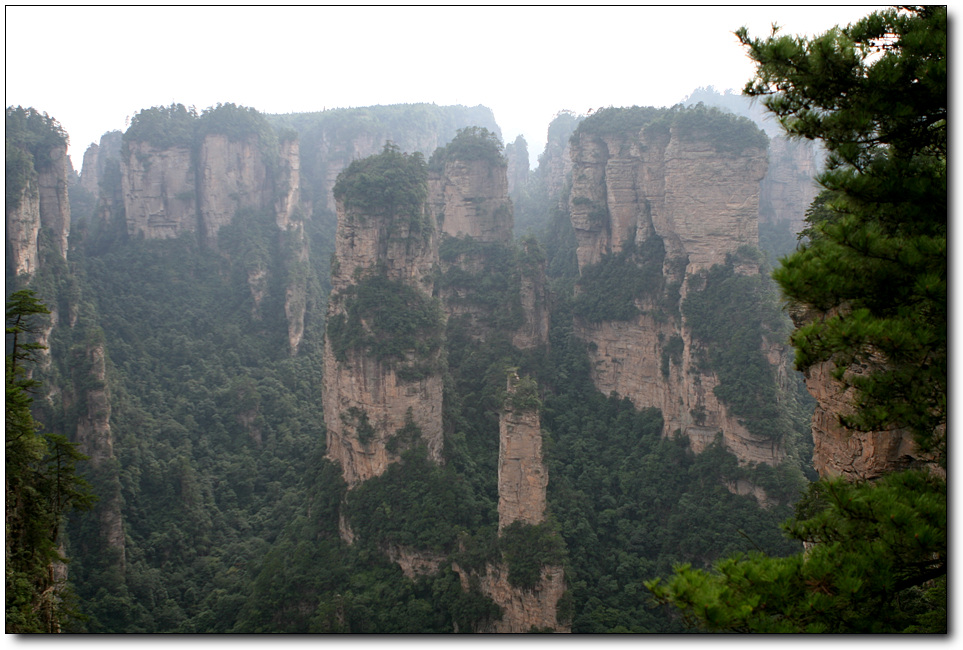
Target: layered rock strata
column 167, row 191
column 636, row 187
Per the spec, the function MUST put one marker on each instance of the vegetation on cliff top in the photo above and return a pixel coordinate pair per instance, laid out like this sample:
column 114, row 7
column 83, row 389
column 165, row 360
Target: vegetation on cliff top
column 874, row 270
column 391, row 184
column 30, row 137
column 727, row 133
column 470, row 144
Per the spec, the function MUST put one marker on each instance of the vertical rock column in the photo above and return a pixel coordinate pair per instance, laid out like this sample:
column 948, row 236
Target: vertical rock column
column 522, row 481
column 95, row 439
column 385, row 247
column 522, row 475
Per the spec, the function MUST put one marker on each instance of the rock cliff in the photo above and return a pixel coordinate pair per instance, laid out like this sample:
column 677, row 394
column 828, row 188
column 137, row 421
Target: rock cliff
column 841, row 451
column 95, row 160
column 383, row 252
column 41, row 204
column 168, row 192
column 95, row 439
column 669, row 200
column 160, row 190
column 332, row 139
column 469, row 198
column 522, row 475
column 789, row 186
column 485, row 279
column 522, row 484
column 524, row 609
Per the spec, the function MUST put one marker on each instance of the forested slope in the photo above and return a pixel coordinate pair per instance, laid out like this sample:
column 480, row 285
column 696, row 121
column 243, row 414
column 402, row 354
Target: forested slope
column 212, row 439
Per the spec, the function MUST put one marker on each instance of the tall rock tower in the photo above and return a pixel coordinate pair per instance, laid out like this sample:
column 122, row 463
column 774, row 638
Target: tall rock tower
column 383, row 349
column 522, row 475
column 665, row 210
column 36, row 189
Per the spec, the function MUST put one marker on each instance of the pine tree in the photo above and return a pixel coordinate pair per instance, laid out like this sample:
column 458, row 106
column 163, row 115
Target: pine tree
column 873, row 274
column 41, row 485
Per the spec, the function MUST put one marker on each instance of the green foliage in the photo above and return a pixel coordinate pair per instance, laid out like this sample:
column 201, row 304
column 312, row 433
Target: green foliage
column 631, row 503
column 391, row 184
column 874, row 270
column 42, row 485
column 882, row 255
column 329, row 138
column 390, row 321
column 527, row 548
column 470, row 144
column 523, row 395
column 727, row 133
column 415, row 503
column 870, row 543
column 163, row 127
column 30, row 138
column 672, row 352
column 495, row 288
column 610, row 289
column 730, row 316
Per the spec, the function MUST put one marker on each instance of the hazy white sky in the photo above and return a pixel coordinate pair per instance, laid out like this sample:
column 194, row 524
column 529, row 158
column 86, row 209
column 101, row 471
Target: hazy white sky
column 92, row 68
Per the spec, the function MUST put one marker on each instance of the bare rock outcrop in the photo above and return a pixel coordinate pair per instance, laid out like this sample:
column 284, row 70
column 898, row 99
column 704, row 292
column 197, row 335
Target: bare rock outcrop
column 470, row 198
column 522, row 483
column 160, row 191
column 524, row 609
column 369, row 398
column 42, row 203
column 95, row 160
column 635, row 187
column 469, row 201
column 95, row 439
column 789, row 186
column 522, row 475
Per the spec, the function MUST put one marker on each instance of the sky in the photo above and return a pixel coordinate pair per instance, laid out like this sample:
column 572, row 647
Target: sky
column 93, row 68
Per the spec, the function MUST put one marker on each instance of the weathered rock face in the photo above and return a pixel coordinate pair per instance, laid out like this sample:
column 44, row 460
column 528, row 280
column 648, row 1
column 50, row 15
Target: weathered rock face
column 522, row 475
column 96, row 441
column 363, row 392
column 702, row 204
column 839, row 451
column 414, row 563
column 95, row 160
column 232, row 175
column 43, row 203
column 524, row 609
column 470, row 198
column 522, row 483
column 160, row 191
column 22, row 228
column 366, row 401
column 536, row 314
column 166, row 193
column 516, row 153
column 789, row 186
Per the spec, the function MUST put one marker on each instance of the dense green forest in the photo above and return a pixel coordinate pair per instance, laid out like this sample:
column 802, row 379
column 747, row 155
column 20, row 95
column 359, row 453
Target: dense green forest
column 215, row 509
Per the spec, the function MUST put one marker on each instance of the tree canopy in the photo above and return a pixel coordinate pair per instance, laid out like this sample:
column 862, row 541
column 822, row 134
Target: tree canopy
column 41, row 486
column 873, row 277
